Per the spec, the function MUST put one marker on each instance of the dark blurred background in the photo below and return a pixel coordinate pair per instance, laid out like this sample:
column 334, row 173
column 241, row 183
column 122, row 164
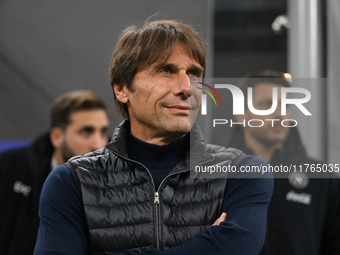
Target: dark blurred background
column 244, row 38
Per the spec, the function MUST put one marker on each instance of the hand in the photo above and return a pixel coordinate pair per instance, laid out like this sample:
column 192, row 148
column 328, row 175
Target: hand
column 220, row 219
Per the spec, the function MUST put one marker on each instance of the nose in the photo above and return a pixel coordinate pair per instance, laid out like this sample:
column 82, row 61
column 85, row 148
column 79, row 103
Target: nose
column 183, row 85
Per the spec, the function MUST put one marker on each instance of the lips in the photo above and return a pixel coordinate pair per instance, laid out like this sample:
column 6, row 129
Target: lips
column 188, row 105
column 179, row 107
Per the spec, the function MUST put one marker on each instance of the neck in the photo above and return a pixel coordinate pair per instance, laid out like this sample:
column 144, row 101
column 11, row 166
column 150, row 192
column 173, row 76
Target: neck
column 59, row 157
column 260, row 149
column 152, row 155
column 159, row 139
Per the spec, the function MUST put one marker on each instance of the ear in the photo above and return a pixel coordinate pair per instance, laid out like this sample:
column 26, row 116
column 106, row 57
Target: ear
column 57, row 137
column 121, row 92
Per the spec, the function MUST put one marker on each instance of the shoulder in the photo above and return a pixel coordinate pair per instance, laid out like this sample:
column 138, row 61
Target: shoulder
column 61, row 174
column 223, row 153
column 89, row 159
column 92, row 164
column 253, row 171
column 59, row 183
column 238, row 157
column 251, row 160
column 244, row 166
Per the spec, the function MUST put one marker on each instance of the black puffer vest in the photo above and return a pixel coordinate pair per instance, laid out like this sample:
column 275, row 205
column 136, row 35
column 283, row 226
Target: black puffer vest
column 124, row 211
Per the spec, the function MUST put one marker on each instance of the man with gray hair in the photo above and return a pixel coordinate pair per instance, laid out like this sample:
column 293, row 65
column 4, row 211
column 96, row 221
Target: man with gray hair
column 137, row 196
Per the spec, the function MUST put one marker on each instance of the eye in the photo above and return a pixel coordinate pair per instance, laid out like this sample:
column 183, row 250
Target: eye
column 195, row 77
column 86, row 131
column 166, row 70
column 194, row 73
column 105, row 132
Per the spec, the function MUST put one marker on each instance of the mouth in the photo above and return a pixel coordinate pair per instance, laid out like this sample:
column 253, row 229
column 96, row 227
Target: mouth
column 180, row 109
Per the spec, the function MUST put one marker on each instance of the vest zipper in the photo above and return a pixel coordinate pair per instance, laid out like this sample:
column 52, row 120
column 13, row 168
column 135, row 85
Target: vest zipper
column 156, row 202
column 156, row 194
column 157, row 207
column 156, row 197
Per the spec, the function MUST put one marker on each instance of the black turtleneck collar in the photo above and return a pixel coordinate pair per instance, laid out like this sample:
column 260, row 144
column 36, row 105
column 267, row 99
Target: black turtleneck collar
column 160, row 160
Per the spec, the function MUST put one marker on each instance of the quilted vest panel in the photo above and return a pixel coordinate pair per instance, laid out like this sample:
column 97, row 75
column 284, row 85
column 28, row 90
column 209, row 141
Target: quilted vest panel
column 120, row 209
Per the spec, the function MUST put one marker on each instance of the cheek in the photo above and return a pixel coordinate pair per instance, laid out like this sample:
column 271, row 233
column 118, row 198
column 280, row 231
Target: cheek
column 141, row 101
column 197, row 94
column 104, row 141
column 76, row 142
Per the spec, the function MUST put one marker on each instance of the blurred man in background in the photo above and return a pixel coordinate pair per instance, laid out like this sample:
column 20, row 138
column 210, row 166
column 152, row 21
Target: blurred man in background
column 79, row 124
column 304, row 213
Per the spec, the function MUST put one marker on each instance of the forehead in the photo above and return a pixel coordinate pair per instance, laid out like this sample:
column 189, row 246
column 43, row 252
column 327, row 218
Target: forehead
column 179, row 55
column 92, row 117
column 180, row 50
column 264, row 90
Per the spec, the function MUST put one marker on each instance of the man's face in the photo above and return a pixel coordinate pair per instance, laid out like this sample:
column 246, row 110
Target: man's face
column 262, row 100
column 87, row 131
column 163, row 106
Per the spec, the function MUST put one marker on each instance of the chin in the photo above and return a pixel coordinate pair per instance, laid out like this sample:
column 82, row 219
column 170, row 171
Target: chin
column 179, row 128
column 277, row 140
column 183, row 129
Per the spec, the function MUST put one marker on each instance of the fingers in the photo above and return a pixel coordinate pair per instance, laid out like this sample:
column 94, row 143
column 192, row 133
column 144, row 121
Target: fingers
column 220, row 219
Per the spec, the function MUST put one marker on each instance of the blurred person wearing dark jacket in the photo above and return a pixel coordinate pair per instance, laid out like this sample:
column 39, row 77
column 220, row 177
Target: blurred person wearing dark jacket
column 79, row 124
column 304, row 213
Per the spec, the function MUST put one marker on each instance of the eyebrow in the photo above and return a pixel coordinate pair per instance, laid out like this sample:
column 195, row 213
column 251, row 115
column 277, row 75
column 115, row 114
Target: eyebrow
column 92, row 129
